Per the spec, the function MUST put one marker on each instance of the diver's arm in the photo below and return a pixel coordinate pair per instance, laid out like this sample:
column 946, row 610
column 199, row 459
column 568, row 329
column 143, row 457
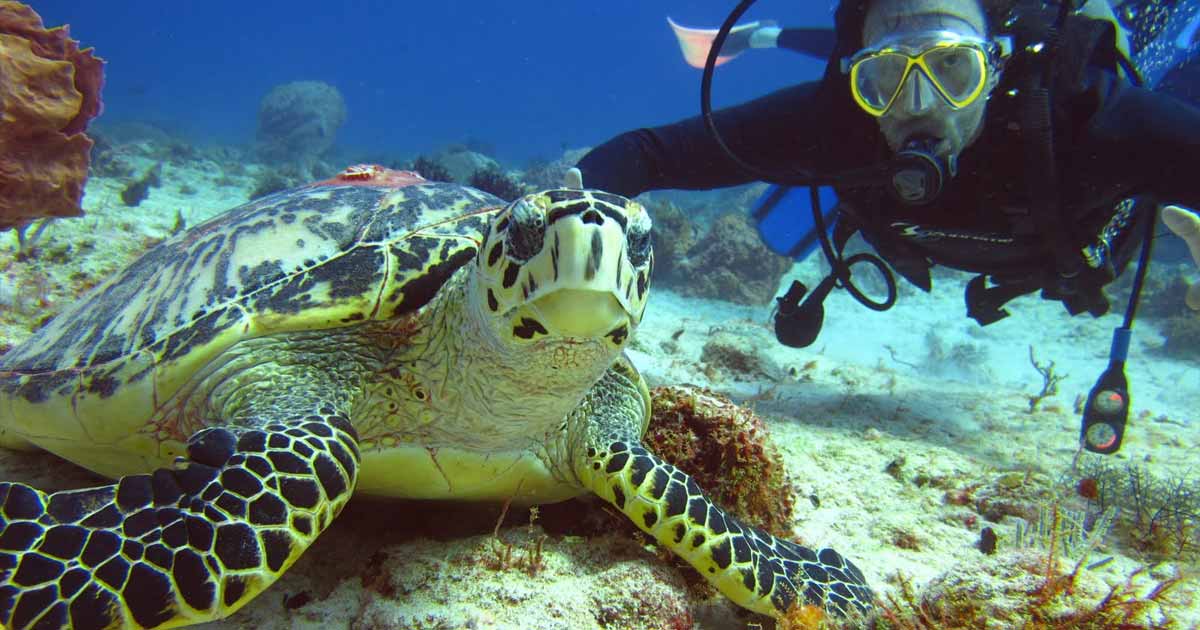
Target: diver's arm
column 816, row 42
column 780, row 128
column 1150, row 140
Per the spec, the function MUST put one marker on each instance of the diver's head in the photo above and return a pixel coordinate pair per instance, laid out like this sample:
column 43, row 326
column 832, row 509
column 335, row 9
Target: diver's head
column 925, row 71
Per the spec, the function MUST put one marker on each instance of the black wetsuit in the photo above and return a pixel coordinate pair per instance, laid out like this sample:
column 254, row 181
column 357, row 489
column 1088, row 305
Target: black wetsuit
column 1113, row 141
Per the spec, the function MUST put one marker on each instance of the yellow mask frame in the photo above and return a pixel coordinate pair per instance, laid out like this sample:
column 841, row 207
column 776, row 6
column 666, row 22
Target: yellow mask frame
column 937, row 45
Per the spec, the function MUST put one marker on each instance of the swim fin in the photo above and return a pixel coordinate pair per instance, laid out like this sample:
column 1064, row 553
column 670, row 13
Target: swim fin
column 696, row 42
column 784, row 218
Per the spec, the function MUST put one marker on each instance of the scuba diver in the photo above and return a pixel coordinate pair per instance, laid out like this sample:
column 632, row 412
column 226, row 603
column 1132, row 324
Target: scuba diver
column 1007, row 138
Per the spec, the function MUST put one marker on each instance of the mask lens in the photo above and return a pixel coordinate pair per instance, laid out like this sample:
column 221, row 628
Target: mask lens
column 876, row 80
column 958, row 71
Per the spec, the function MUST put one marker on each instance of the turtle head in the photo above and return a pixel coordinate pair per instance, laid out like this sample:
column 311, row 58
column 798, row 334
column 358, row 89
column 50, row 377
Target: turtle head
column 566, row 268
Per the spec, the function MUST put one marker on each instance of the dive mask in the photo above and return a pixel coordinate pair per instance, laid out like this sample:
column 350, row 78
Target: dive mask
column 956, row 65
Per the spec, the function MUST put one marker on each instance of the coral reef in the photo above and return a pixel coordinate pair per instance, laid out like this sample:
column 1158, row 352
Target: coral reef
column 1072, row 534
column 273, row 180
column 462, row 162
column 122, row 147
column 730, row 263
column 1013, row 493
column 674, row 234
column 1050, row 380
column 1182, row 336
column 543, row 175
column 137, row 190
column 143, row 136
column 1027, row 585
column 1157, row 516
column 494, row 181
column 726, row 449
column 50, row 90
column 107, row 159
column 1026, row 589
column 736, row 356
column 958, row 360
column 431, row 169
column 1164, row 297
column 298, row 121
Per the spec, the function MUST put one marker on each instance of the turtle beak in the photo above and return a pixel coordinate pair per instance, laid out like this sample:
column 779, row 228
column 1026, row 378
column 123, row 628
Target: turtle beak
column 583, row 313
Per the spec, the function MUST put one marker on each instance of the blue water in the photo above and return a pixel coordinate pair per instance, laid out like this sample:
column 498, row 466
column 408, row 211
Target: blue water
column 525, row 79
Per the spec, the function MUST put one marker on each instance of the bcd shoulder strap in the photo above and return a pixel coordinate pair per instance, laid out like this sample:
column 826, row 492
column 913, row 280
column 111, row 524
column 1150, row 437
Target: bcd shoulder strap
column 1054, row 47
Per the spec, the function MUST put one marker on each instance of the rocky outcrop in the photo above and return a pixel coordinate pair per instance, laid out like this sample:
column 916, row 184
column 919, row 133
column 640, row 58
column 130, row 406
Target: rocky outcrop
column 728, row 263
column 463, row 163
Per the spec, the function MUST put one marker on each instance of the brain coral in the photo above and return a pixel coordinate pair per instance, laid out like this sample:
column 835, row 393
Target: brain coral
column 299, row 121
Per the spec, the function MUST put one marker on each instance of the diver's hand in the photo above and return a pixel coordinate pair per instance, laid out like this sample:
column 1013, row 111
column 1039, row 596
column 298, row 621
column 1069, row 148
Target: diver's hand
column 573, row 178
column 1186, row 225
column 766, row 35
column 758, row 34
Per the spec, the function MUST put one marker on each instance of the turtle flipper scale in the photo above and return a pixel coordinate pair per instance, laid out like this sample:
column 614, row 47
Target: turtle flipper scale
column 751, row 567
column 756, row 570
column 178, row 546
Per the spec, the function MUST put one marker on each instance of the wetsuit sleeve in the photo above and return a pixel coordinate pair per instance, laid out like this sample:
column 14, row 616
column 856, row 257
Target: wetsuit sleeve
column 775, row 130
column 1148, row 141
column 817, row 42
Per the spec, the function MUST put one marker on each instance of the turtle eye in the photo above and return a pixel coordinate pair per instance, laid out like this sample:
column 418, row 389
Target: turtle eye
column 639, row 244
column 526, row 230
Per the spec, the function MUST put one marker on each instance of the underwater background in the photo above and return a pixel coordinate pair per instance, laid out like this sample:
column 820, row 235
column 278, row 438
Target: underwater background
column 907, row 440
column 527, row 79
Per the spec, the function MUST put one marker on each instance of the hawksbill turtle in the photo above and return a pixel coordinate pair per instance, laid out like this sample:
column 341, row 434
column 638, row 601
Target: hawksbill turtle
column 374, row 333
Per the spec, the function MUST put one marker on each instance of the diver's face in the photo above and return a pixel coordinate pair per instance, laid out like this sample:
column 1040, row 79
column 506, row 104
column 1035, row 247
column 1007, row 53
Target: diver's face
column 918, row 109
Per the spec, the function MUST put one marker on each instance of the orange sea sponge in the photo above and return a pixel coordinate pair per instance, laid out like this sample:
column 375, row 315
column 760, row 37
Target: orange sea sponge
column 725, row 448
column 50, row 90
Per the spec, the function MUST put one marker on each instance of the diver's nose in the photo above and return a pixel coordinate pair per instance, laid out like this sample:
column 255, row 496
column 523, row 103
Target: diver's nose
column 918, row 95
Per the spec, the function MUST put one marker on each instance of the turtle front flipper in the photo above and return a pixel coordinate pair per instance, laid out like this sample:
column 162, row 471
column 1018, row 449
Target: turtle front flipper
column 754, row 569
column 175, row 547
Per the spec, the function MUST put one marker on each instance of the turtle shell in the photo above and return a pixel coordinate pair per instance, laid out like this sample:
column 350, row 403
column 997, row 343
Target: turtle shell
column 318, row 257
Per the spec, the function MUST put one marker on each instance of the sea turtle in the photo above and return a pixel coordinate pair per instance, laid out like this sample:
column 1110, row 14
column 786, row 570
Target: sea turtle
column 374, row 333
